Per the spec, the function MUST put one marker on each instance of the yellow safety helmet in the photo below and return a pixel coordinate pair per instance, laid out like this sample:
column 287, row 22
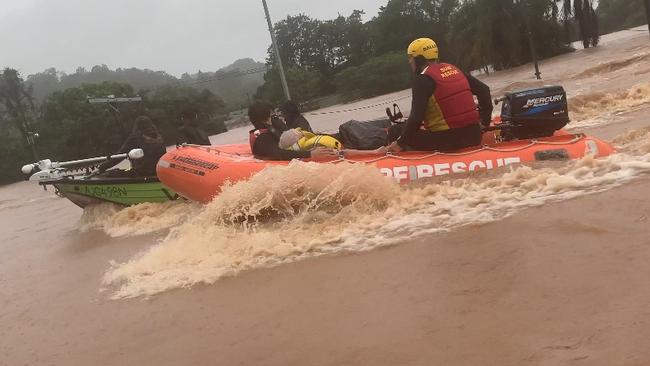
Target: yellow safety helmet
column 425, row 47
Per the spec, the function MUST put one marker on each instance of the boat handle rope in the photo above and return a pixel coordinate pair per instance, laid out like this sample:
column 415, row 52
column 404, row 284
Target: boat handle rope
column 576, row 138
column 360, row 108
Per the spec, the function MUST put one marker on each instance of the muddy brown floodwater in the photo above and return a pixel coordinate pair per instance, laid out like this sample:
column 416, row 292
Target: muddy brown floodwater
column 542, row 266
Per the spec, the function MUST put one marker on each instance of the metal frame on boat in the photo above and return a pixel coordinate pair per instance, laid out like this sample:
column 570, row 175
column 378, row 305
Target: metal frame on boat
column 74, row 181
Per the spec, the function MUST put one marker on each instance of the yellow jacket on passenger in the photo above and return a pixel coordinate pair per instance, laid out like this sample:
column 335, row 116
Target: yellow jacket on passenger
column 309, row 141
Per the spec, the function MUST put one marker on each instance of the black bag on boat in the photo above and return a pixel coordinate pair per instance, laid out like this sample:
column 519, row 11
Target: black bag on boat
column 368, row 135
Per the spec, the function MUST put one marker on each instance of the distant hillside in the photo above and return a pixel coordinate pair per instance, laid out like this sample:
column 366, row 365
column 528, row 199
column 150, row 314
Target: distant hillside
column 243, row 64
column 231, row 83
column 234, row 83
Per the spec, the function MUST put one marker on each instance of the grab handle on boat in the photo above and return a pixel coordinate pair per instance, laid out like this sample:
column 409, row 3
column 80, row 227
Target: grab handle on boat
column 395, row 115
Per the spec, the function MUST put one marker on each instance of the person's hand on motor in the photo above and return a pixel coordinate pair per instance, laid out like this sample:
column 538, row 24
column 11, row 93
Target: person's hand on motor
column 324, row 152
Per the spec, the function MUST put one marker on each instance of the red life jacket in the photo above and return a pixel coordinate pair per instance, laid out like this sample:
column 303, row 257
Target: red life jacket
column 254, row 134
column 452, row 104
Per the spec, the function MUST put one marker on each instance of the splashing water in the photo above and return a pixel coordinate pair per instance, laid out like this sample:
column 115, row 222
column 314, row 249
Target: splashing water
column 146, row 218
column 303, row 210
column 614, row 65
column 596, row 108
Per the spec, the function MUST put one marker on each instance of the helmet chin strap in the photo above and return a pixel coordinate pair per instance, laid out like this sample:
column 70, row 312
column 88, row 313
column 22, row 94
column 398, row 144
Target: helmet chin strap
column 420, row 63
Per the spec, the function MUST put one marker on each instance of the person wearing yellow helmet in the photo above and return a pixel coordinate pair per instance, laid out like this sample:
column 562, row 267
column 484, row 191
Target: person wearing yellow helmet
column 443, row 115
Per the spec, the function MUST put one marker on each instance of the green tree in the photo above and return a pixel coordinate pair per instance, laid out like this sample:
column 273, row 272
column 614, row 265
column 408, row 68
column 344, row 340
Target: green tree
column 323, row 47
column 471, row 33
column 495, row 32
column 304, row 85
column 376, row 76
column 17, row 105
column 44, row 83
column 72, row 128
column 583, row 12
column 13, row 154
column 615, row 15
column 401, row 21
column 166, row 104
column 357, row 44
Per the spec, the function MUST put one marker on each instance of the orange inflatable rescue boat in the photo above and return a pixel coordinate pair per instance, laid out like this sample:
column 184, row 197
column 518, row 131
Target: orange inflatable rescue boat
column 199, row 172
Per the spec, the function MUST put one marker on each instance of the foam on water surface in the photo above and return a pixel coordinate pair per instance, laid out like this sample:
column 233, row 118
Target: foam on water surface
column 286, row 214
column 145, row 218
column 304, row 210
column 591, row 109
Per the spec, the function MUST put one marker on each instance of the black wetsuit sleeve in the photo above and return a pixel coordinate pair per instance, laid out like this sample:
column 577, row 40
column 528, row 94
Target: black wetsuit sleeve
column 266, row 147
column 423, row 89
column 482, row 92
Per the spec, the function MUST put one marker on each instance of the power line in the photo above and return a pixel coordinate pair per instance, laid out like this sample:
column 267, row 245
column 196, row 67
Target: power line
column 228, row 75
column 382, row 103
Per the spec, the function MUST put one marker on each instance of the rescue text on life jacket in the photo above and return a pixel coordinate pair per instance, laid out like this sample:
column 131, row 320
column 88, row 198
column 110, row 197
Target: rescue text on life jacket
column 452, row 104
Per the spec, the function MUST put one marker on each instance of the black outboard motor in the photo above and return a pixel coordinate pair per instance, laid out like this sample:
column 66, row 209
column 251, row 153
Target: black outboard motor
column 534, row 113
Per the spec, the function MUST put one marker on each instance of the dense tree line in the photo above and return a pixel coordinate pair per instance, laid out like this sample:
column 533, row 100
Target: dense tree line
column 344, row 55
column 615, row 15
column 235, row 83
column 357, row 59
column 71, row 128
column 587, row 21
column 230, row 83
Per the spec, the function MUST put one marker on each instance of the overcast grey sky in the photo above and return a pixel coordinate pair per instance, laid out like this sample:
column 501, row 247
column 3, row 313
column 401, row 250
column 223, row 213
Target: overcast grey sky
column 172, row 35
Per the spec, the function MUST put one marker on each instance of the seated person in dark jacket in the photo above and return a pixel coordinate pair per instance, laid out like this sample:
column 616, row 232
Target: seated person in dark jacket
column 293, row 118
column 190, row 132
column 265, row 137
column 444, row 116
column 144, row 136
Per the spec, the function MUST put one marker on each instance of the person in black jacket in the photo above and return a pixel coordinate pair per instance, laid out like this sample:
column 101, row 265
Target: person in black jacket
column 293, row 118
column 190, row 132
column 444, row 116
column 144, row 136
column 265, row 137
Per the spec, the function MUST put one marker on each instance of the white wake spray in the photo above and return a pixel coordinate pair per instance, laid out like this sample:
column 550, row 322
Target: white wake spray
column 285, row 214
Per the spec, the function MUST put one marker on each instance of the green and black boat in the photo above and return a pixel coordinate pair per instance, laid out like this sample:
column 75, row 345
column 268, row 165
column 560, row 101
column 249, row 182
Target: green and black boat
column 75, row 181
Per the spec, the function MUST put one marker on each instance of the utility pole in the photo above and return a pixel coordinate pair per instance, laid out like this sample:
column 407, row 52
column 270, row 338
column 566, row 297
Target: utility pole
column 283, row 78
column 531, row 41
column 533, row 52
